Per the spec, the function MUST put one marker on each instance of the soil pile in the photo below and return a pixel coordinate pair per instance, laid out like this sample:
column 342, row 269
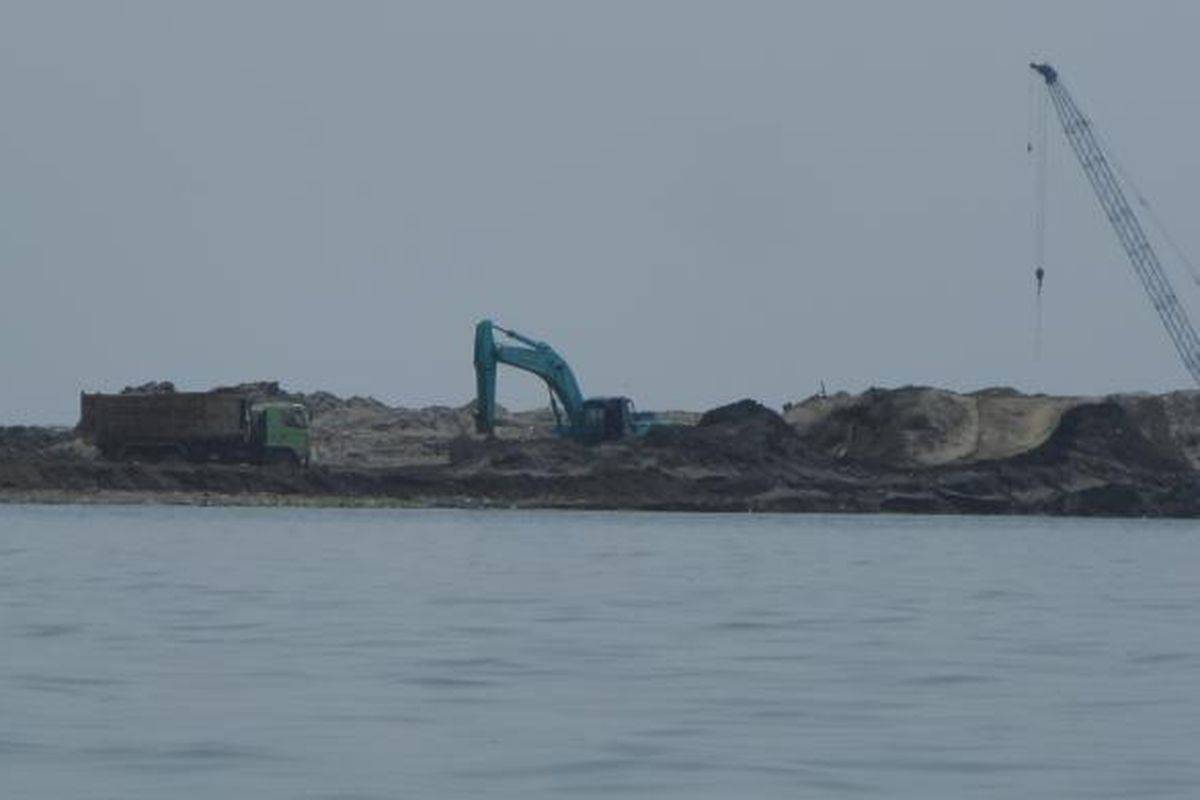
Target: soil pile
column 1112, row 433
column 924, row 427
column 741, row 433
column 364, row 432
column 30, row 442
column 914, row 449
column 910, row 426
column 1170, row 421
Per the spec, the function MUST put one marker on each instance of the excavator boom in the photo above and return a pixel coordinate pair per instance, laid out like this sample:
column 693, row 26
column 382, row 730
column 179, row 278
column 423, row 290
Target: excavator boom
column 532, row 356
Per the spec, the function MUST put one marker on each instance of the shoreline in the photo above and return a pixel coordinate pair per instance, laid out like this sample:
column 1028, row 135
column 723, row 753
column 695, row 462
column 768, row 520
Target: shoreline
column 1070, row 505
column 913, row 450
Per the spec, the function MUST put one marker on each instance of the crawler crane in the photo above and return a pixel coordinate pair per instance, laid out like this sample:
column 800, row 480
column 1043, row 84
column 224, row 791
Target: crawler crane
column 1088, row 150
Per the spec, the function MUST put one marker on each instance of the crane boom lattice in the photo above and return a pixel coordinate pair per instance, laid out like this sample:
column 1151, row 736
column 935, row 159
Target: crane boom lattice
column 1129, row 231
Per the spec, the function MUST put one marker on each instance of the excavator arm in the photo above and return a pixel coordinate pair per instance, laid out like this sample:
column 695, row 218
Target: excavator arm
column 529, row 355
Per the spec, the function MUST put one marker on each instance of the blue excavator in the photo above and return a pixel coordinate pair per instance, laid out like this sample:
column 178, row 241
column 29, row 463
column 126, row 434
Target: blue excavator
column 590, row 420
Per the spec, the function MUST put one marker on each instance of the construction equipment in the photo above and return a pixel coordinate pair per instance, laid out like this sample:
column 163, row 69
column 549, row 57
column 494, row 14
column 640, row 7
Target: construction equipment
column 591, row 420
column 195, row 426
column 1088, row 150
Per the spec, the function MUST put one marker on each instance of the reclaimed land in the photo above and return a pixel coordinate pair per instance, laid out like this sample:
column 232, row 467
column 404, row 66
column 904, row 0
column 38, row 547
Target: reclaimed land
column 907, row 450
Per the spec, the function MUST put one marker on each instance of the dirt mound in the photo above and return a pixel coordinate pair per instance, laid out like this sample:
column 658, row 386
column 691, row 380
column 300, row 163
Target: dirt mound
column 908, row 426
column 150, row 387
column 1168, row 420
column 923, row 427
column 912, row 449
column 27, row 442
column 745, row 413
column 745, row 432
column 918, row 426
column 321, row 402
column 256, row 389
column 365, row 432
column 1011, row 424
column 1109, row 433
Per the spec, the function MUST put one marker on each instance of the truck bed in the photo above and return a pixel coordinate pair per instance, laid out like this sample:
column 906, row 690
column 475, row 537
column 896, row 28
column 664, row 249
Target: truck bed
column 167, row 417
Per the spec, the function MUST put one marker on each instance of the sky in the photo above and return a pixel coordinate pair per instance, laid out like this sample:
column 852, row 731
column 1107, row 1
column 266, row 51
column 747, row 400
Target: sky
column 692, row 201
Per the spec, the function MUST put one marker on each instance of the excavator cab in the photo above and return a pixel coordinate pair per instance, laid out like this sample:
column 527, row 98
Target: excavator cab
column 606, row 419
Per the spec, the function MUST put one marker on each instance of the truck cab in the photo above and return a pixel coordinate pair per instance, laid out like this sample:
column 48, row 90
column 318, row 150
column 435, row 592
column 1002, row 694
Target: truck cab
column 282, row 428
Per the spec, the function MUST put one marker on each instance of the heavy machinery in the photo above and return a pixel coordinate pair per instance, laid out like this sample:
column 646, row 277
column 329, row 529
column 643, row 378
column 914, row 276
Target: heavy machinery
column 591, row 420
column 196, row 426
column 1090, row 153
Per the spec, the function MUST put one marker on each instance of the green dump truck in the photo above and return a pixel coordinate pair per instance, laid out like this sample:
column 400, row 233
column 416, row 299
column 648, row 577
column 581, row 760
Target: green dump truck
column 196, row 426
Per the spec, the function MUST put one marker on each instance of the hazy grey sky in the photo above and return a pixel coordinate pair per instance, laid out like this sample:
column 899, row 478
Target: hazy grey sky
column 692, row 201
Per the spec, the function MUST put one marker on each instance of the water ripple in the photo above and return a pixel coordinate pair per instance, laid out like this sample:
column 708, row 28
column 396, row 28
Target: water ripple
column 19, row 747
column 50, row 630
column 332, row 655
column 66, row 684
column 948, row 679
column 184, row 756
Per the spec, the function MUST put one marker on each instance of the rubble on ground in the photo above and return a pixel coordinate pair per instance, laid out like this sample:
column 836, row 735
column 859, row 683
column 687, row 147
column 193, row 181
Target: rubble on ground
column 911, row 449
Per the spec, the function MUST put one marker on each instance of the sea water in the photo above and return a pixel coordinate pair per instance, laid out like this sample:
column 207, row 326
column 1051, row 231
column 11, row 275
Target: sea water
column 270, row 653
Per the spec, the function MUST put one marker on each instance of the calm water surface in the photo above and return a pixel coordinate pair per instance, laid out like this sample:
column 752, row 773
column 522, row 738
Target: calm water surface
column 361, row 655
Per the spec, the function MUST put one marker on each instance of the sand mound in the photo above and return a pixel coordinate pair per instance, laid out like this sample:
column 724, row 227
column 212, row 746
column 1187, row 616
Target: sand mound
column 368, row 433
column 918, row 426
column 912, row 425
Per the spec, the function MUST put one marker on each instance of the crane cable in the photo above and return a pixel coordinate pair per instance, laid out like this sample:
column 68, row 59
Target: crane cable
column 1038, row 125
column 1107, row 186
column 1039, row 112
column 1036, row 146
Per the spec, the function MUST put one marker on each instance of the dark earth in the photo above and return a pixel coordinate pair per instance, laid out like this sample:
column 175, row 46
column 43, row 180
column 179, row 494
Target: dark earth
column 908, row 450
